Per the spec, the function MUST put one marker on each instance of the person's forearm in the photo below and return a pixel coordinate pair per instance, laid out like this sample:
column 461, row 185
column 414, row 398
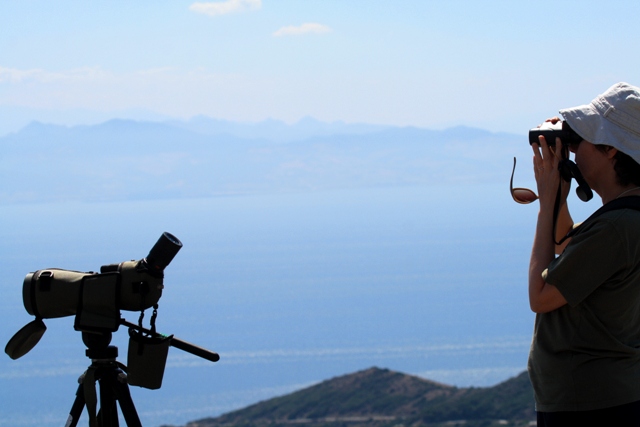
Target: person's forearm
column 543, row 297
column 542, row 253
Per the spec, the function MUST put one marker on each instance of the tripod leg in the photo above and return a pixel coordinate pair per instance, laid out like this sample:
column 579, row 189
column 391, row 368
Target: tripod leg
column 76, row 408
column 121, row 390
column 108, row 414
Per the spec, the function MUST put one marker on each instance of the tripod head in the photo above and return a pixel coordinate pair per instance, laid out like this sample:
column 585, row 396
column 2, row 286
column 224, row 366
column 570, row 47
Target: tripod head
column 98, row 346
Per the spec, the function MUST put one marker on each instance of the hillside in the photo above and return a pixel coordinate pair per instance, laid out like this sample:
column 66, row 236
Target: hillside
column 380, row 397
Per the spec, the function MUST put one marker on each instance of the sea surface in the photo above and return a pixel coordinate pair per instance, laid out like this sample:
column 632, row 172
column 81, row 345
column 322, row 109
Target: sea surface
column 289, row 289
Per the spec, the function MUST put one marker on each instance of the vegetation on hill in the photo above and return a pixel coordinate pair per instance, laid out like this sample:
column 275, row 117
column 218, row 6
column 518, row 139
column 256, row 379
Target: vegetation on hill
column 380, row 397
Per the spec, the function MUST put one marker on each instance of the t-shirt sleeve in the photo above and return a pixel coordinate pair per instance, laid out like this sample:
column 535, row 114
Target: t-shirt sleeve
column 592, row 257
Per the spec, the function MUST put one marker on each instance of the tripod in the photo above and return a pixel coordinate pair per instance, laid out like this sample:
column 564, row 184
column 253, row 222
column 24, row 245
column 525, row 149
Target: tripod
column 108, row 373
column 110, row 376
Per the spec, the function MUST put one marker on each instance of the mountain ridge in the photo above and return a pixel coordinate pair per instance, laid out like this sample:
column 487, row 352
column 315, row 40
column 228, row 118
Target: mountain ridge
column 131, row 160
column 381, row 397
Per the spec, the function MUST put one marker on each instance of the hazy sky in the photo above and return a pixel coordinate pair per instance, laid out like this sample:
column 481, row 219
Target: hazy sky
column 498, row 65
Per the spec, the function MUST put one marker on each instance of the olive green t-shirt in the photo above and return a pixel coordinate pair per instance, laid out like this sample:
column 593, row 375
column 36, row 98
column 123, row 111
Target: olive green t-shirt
column 586, row 354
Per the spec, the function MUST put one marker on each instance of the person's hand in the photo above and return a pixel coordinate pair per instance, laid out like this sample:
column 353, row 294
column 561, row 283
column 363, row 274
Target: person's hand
column 545, row 169
column 566, row 185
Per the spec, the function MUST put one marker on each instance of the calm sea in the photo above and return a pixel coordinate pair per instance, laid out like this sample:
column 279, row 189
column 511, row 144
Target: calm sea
column 290, row 289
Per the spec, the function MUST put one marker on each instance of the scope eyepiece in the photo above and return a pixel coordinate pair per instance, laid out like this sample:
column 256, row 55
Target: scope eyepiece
column 163, row 252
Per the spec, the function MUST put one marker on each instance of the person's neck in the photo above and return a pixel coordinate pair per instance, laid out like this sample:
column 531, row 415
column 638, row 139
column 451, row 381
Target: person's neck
column 619, row 191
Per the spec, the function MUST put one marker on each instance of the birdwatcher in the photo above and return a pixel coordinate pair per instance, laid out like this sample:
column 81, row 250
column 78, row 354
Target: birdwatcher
column 584, row 279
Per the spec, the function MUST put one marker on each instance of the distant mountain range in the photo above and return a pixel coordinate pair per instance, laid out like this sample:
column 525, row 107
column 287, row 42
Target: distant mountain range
column 124, row 160
column 275, row 130
column 382, row 398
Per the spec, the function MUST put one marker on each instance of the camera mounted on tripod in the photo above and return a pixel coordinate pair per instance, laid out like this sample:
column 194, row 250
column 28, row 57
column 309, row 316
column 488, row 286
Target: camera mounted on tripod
column 96, row 300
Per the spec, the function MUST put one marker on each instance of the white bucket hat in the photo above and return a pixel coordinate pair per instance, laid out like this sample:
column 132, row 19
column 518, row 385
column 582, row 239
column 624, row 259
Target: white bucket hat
column 613, row 118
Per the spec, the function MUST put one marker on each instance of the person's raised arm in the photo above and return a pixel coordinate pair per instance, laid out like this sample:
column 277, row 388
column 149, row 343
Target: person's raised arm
column 544, row 297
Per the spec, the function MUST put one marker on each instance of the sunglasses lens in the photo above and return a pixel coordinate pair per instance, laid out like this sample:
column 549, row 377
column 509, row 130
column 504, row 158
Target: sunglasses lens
column 523, row 195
